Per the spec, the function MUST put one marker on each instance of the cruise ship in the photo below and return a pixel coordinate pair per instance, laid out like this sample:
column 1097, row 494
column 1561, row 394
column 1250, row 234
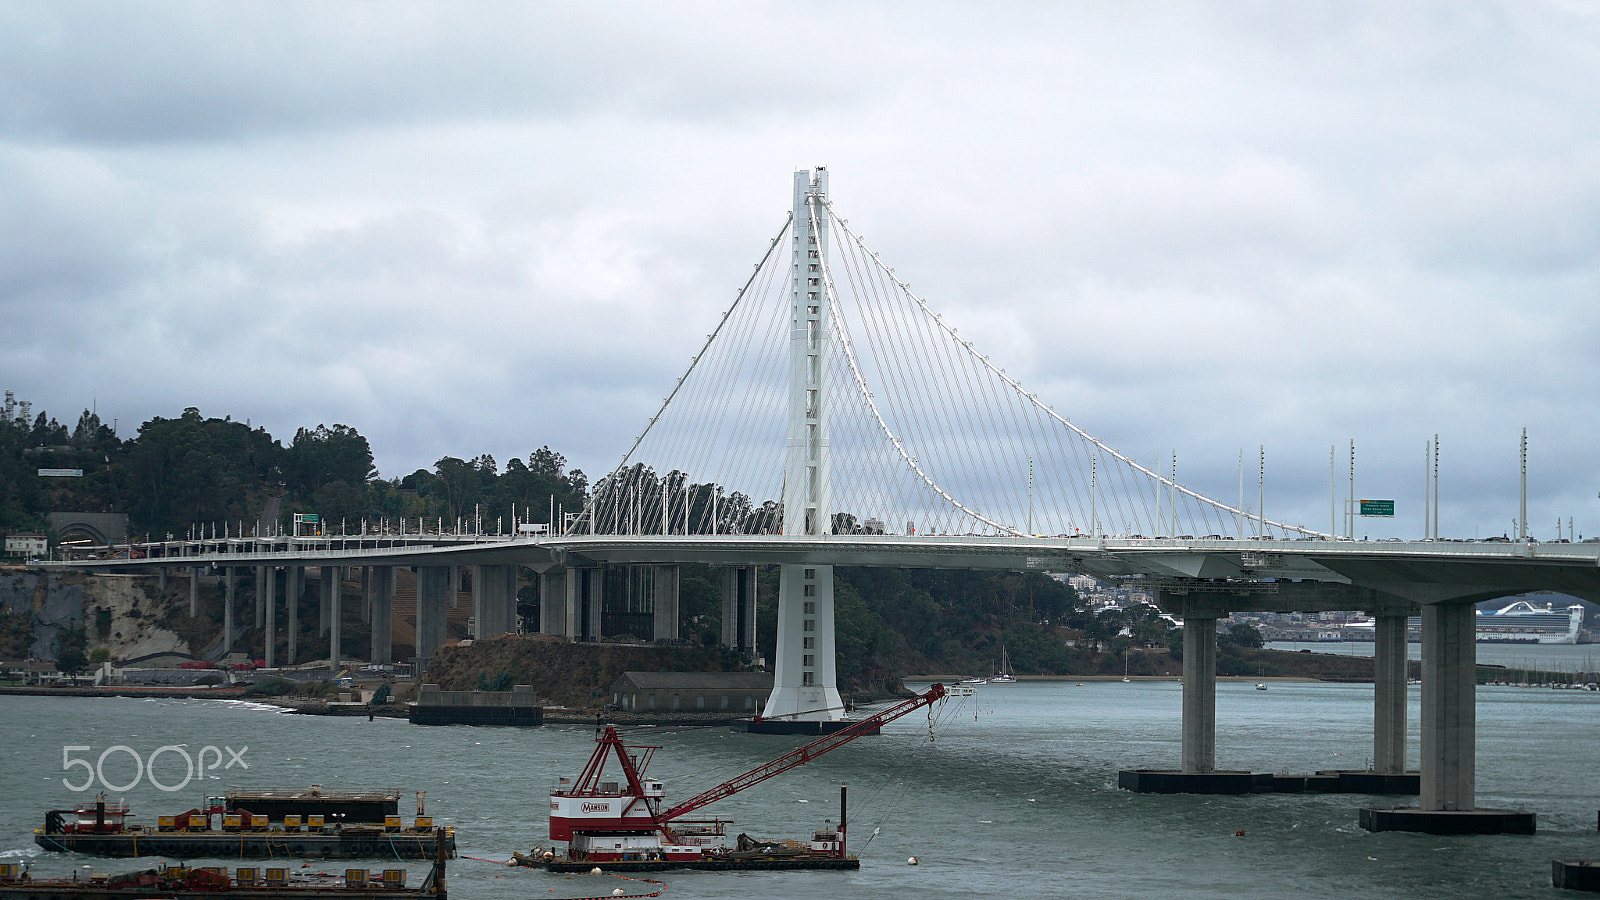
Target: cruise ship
column 1520, row 622
column 1524, row 623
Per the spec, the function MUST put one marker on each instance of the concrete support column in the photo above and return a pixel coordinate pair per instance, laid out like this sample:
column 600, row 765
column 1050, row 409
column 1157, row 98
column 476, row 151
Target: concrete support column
column 494, row 600
column 322, row 601
column 366, row 594
column 194, row 591
column 272, row 614
column 553, row 601
column 594, row 603
column 293, row 587
column 382, row 614
column 1199, row 695
column 804, row 682
column 433, row 583
column 511, row 623
column 665, row 594
column 229, row 587
column 739, row 609
column 455, row 585
column 1449, row 713
column 1389, row 695
column 335, row 574
column 572, row 602
column 584, row 602
column 263, row 591
column 161, row 578
column 327, row 583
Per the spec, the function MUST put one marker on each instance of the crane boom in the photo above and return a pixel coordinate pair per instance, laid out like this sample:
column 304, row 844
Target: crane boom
column 803, row 754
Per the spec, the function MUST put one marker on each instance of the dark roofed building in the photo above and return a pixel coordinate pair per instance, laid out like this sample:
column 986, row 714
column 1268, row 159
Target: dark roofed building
column 735, row 693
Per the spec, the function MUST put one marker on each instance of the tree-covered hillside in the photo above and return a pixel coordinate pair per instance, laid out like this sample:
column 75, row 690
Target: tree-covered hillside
column 188, row 472
column 175, row 475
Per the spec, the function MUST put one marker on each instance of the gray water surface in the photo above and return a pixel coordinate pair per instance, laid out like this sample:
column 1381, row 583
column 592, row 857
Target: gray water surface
column 1011, row 793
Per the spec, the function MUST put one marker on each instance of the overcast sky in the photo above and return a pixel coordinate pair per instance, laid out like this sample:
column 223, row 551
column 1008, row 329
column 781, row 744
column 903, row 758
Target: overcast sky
column 486, row 227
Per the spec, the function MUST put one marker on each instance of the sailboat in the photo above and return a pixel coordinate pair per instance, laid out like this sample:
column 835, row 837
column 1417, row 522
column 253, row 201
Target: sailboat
column 1125, row 678
column 1003, row 676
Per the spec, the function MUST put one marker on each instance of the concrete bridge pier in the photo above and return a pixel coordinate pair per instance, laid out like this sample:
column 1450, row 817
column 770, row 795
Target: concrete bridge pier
column 322, row 601
column 268, row 597
column 433, row 584
column 582, row 602
column 331, row 576
column 510, row 622
column 553, row 601
column 664, row 593
column 1449, row 706
column 293, row 587
column 1199, row 695
column 366, row 594
column 382, row 615
column 805, row 693
column 1390, row 661
column 494, row 600
column 739, row 609
column 194, row 591
column 263, row 591
column 1447, row 801
column 229, row 586
column 592, row 602
column 1198, row 774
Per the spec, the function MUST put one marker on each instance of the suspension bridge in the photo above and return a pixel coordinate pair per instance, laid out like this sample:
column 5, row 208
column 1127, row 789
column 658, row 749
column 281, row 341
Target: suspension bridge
column 831, row 417
column 830, row 374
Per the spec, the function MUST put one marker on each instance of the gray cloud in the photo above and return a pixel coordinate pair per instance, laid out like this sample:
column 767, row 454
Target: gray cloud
column 486, row 228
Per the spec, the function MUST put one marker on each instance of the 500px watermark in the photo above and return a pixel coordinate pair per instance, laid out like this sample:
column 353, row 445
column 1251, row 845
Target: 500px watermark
column 207, row 759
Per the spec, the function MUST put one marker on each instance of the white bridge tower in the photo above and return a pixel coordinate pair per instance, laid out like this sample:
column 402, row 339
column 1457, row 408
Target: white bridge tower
column 805, row 685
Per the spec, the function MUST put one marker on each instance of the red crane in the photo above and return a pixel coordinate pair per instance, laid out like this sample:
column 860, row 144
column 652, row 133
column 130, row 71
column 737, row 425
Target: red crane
column 637, row 807
column 804, row 754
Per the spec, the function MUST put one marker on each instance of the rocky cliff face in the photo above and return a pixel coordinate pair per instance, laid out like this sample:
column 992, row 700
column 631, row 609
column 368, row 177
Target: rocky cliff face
column 123, row 613
column 119, row 612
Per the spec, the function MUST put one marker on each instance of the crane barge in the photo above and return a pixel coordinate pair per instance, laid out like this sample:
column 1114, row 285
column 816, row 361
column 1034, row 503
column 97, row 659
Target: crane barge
column 625, row 825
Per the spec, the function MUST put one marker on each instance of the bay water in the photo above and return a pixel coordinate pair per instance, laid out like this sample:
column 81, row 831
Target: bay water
column 1009, row 793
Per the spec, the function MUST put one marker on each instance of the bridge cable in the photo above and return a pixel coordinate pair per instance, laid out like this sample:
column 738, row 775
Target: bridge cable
column 1121, row 458
column 828, row 284
column 699, row 355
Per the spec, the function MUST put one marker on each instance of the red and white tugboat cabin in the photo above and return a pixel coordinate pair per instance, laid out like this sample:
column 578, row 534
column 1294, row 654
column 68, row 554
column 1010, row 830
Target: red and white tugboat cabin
column 611, row 820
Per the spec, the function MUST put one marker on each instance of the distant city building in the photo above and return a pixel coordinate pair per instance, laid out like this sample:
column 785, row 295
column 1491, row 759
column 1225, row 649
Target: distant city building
column 27, row 545
column 1084, row 584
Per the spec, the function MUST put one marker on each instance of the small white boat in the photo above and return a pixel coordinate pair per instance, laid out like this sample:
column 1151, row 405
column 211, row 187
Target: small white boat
column 973, row 681
column 1261, row 685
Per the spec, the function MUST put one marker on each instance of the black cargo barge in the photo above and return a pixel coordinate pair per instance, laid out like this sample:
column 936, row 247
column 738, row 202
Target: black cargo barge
column 253, row 824
column 348, row 843
column 217, row 883
column 725, row 863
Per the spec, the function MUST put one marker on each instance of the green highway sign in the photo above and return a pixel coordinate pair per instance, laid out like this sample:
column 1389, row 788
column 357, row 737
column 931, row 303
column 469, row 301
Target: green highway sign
column 312, row 517
column 1377, row 508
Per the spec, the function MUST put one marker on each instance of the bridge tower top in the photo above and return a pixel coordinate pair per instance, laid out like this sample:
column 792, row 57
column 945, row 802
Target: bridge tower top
column 806, row 489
